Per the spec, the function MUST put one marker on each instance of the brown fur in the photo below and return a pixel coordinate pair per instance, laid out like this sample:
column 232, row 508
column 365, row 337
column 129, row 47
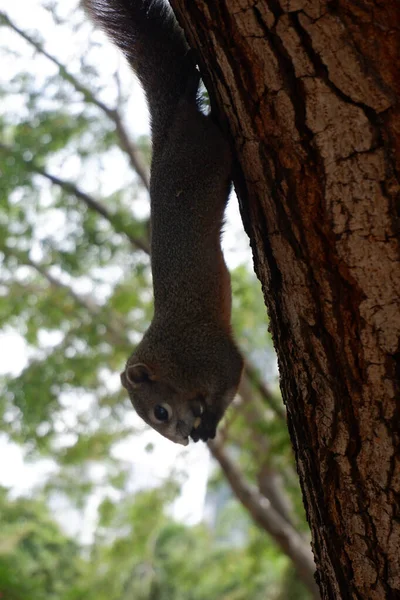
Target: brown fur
column 187, row 361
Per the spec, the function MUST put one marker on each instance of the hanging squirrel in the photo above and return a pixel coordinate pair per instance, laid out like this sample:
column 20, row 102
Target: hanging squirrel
column 186, row 370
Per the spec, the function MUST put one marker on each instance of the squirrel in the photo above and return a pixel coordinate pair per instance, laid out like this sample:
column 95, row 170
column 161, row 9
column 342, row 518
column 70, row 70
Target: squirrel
column 186, row 370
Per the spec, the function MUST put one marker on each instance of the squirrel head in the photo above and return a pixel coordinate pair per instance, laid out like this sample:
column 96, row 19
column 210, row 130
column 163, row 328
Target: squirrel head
column 166, row 409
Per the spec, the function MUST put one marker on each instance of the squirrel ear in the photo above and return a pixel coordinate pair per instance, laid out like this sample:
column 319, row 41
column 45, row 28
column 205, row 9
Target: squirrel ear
column 136, row 374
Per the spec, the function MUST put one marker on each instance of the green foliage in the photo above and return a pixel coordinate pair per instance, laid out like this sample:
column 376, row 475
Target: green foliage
column 249, row 316
column 36, row 559
column 75, row 284
column 139, row 552
column 160, row 559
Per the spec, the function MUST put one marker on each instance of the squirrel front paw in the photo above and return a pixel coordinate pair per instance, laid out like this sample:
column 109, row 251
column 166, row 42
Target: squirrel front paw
column 206, row 429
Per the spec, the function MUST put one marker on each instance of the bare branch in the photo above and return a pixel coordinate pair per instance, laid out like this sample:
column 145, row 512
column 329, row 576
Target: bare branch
column 271, row 485
column 130, row 148
column 54, row 282
column 118, row 85
column 262, row 388
column 112, row 113
column 94, row 205
column 285, row 535
column 253, row 414
column 68, row 186
column 113, row 324
column 270, row 482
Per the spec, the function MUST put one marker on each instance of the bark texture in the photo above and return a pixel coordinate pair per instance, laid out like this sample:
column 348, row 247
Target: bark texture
column 309, row 93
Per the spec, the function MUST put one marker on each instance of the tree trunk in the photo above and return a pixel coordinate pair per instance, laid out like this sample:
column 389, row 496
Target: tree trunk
column 309, row 93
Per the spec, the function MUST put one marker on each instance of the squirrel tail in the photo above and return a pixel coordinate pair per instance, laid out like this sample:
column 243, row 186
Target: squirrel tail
column 155, row 46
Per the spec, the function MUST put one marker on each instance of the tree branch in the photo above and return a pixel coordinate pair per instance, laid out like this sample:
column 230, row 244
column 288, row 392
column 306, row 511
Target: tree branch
column 262, row 388
column 262, row 512
column 125, row 142
column 94, row 205
column 114, row 326
column 90, row 202
column 269, row 480
column 130, row 148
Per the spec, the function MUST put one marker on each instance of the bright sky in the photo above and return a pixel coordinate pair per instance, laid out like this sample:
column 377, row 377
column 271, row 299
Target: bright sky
column 147, row 468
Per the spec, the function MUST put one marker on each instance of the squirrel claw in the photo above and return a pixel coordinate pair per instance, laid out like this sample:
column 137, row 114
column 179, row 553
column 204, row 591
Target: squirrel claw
column 206, row 430
column 198, row 406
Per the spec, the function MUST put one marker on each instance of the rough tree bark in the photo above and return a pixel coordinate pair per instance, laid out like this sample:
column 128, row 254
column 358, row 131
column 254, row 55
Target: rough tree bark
column 308, row 91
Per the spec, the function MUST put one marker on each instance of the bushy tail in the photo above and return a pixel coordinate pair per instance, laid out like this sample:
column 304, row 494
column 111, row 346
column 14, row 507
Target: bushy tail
column 154, row 44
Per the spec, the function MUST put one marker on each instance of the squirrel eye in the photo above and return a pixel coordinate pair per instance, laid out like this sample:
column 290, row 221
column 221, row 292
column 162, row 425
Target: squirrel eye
column 162, row 413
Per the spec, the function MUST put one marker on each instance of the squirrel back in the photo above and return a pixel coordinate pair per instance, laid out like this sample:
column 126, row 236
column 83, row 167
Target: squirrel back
column 186, row 370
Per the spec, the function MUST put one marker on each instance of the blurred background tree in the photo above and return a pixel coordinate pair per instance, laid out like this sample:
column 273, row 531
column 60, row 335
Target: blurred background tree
column 75, row 296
